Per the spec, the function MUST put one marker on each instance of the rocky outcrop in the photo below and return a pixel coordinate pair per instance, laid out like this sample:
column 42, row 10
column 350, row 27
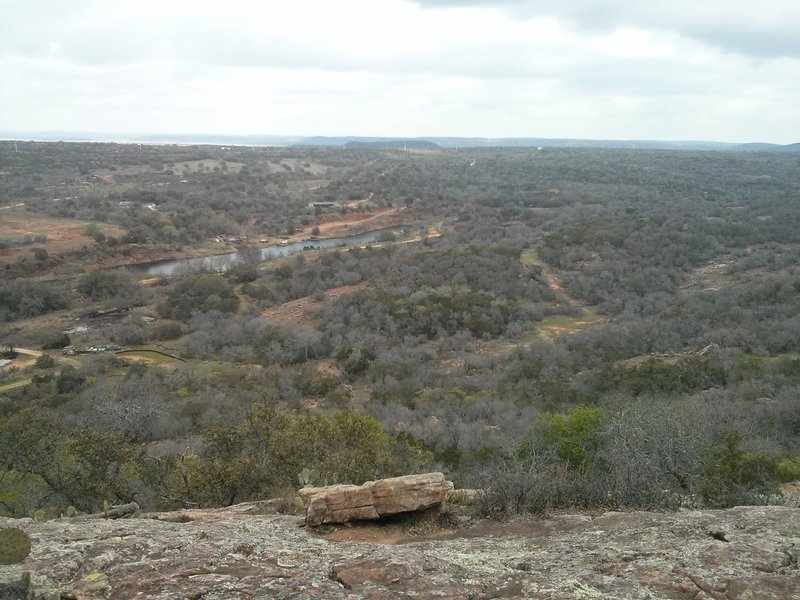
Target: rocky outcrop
column 374, row 499
column 737, row 554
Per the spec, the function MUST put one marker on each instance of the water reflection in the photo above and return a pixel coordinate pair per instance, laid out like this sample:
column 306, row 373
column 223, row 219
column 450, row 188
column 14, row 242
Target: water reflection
column 223, row 262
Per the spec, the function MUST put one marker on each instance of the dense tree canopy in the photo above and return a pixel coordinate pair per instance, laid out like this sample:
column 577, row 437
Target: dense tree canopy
column 569, row 327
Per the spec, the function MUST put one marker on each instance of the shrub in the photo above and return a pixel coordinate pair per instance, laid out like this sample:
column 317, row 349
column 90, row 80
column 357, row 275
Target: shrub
column 788, row 469
column 540, row 483
column 733, row 476
column 167, row 331
column 264, row 453
column 656, row 375
column 53, row 464
column 199, row 293
column 574, row 437
column 104, row 285
column 130, row 332
column 26, row 298
column 45, row 361
column 69, row 380
column 242, row 273
column 55, row 341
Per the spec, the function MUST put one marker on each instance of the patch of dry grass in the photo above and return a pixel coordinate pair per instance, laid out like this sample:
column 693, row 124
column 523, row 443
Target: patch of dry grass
column 55, row 235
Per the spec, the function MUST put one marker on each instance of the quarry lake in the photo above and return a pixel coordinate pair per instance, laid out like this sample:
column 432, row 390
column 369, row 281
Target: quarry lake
column 223, row 262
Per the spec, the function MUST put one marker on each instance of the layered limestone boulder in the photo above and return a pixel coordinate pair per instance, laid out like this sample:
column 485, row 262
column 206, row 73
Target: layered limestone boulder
column 374, row 499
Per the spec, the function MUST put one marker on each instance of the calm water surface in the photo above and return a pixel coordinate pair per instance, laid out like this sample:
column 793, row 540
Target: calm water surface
column 223, row 262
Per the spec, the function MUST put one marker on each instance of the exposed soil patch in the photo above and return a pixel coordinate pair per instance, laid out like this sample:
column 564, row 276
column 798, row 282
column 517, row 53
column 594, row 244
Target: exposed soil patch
column 150, row 356
column 405, row 529
column 344, row 290
column 669, row 358
column 327, row 368
column 709, row 277
column 557, row 325
column 24, row 361
column 303, row 309
column 54, row 235
column 358, row 222
column 791, row 494
column 293, row 311
column 13, row 385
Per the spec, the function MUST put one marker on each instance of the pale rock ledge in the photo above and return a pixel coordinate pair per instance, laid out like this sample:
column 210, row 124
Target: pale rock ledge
column 374, row 499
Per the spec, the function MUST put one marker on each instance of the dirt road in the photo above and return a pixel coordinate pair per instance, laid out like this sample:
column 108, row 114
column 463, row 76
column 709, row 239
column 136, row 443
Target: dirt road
column 57, row 357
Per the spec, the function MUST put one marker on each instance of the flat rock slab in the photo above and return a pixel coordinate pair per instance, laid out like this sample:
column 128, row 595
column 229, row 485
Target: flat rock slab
column 374, row 499
column 232, row 554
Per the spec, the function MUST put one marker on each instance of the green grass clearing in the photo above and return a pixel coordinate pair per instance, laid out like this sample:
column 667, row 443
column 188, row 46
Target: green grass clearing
column 307, row 185
column 298, row 164
column 554, row 326
column 206, row 165
column 530, row 258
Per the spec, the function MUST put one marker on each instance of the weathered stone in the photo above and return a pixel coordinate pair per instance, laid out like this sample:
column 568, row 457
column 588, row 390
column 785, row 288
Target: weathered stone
column 374, row 499
column 355, row 574
column 234, row 554
column 123, row 510
column 763, row 588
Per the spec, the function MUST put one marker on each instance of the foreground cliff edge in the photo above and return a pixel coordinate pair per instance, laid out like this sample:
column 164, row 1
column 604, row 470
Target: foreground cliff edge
column 238, row 552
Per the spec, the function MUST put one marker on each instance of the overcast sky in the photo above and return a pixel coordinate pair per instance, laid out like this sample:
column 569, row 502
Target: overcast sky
column 726, row 70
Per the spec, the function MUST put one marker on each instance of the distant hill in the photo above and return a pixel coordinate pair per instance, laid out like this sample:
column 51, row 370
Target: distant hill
column 790, row 147
column 429, row 143
column 461, row 142
column 579, row 143
column 166, row 138
column 757, row 147
column 406, row 144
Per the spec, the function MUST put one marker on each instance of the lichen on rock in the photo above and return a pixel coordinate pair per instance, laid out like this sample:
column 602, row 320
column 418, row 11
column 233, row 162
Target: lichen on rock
column 237, row 553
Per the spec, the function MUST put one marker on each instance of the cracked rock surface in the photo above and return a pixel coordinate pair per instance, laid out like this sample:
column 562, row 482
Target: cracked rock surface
column 745, row 552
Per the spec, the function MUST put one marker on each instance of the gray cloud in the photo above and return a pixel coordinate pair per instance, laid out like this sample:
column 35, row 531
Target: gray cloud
column 394, row 67
column 749, row 27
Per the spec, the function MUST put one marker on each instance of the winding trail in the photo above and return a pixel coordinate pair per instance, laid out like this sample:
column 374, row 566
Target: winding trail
column 14, row 385
column 35, row 353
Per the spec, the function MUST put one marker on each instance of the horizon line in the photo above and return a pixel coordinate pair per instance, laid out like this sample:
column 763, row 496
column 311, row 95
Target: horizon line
column 127, row 137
